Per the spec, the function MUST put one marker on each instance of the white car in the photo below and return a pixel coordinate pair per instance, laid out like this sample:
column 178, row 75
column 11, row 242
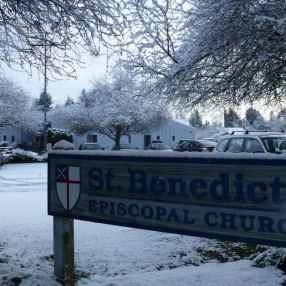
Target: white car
column 253, row 142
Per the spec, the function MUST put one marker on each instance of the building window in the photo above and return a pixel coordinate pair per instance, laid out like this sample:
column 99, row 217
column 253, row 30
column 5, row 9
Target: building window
column 129, row 138
column 174, row 138
column 13, row 138
column 4, row 138
column 158, row 137
column 91, row 138
column 147, row 141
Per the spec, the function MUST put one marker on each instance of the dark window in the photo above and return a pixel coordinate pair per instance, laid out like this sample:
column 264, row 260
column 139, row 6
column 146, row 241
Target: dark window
column 147, row 140
column 4, row 138
column 158, row 137
column 13, row 138
column 174, row 138
column 221, row 145
column 129, row 138
column 91, row 138
column 253, row 146
column 275, row 144
column 194, row 145
column 186, row 144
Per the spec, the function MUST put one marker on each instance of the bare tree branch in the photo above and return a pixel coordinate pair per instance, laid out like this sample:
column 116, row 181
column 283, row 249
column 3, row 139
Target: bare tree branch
column 67, row 27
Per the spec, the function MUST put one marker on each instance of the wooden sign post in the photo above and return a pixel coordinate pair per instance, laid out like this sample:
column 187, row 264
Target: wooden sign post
column 64, row 250
column 231, row 198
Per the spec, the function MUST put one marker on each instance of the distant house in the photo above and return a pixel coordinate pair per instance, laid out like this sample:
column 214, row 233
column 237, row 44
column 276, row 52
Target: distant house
column 170, row 133
column 13, row 135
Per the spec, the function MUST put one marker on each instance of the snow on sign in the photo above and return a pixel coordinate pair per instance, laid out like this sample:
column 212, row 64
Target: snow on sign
column 232, row 198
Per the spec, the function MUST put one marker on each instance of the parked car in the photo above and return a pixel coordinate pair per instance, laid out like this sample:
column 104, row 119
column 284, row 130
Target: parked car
column 196, row 146
column 210, row 139
column 125, row 147
column 159, row 147
column 90, row 146
column 253, row 142
column 181, row 141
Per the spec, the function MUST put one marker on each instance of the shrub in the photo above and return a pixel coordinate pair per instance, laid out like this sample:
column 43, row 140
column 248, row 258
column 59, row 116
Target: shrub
column 55, row 135
column 20, row 156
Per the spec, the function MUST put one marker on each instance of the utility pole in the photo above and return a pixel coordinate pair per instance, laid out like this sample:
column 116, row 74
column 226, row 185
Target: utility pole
column 46, row 45
column 45, row 95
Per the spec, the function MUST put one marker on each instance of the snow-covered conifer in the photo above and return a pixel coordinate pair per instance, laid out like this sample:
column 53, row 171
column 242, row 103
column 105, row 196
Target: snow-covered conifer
column 231, row 118
column 196, row 119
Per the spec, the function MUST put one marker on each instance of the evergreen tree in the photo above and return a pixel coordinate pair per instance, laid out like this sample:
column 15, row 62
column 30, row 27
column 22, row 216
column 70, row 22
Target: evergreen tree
column 282, row 114
column 252, row 115
column 254, row 118
column 196, row 119
column 231, row 118
column 54, row 135
column 207, row 124
column 274, row 123
column 42, row 100
column 271, row 115
column 85, row 98
column 69, row 101
column 281, row 118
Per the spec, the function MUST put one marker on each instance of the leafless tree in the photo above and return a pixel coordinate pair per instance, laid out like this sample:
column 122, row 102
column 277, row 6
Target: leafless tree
column 113, row 109
column 66, row 28
column 151, row 36
column 16, row 108
column 234, row 53
column 224, row 51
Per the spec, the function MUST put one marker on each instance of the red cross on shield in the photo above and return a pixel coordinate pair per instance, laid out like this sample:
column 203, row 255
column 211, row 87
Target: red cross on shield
column 68, row 185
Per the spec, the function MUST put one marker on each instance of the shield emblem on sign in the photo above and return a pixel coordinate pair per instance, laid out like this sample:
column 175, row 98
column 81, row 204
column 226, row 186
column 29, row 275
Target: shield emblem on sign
column 68, row 185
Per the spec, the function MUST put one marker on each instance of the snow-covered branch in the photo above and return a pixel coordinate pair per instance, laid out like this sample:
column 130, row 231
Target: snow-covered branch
column 112, row 108
column 66, row 28
column 16, row 109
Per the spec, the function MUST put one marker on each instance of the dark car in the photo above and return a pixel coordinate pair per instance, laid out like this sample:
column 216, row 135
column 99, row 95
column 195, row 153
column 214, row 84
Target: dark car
column 90, row 146
column 125, row 147
column 196, row 146
column 159, row 147
column 181, row 142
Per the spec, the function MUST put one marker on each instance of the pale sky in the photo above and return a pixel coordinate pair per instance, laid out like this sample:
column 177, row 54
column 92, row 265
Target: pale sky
column 96, row 68
column 59, row 90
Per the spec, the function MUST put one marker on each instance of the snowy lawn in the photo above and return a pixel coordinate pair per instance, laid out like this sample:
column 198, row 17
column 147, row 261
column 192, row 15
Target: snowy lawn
column 109, row 255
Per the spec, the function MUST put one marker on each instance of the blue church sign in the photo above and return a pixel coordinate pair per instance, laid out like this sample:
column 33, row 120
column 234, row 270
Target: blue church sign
column 231, row 198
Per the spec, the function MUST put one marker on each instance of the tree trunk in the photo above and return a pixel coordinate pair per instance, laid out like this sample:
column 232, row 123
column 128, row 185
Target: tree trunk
column 117, row 138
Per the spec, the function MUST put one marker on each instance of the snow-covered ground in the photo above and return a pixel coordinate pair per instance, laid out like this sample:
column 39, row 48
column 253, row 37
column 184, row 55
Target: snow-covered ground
column 107, row 255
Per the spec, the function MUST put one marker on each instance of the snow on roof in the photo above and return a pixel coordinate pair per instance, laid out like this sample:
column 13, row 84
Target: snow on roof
column 182, row 121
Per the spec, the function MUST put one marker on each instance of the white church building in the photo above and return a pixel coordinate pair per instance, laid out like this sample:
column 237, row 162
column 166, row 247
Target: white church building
column 170, row 132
